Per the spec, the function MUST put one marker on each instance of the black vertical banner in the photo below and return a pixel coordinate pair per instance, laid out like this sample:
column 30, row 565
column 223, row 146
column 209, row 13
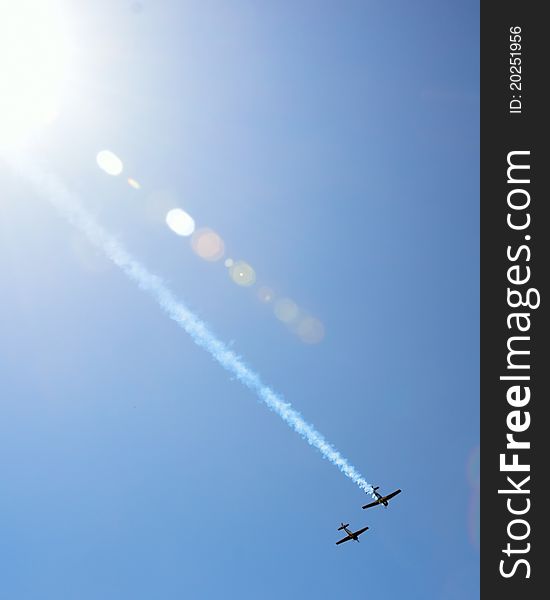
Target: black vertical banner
column 515, row 169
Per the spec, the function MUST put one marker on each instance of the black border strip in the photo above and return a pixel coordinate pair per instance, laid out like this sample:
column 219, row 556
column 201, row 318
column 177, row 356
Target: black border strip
column 502, row 132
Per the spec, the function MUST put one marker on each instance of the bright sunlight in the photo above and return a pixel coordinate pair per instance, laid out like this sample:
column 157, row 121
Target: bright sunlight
column 33, row 66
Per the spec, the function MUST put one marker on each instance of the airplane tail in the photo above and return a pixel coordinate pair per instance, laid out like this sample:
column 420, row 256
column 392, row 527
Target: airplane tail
column 343, row 526
column 375, row 488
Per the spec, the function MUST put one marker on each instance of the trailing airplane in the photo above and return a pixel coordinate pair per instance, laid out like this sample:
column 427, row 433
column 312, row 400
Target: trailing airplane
column 352, row 535
column 381, row 499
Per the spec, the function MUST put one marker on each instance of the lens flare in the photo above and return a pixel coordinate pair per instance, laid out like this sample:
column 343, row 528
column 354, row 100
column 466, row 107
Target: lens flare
column 68, row 206
column 265, row 294
column 229, row 262
column 310, row 330
column 207, row 244
column 133, row 183
column 286, row 310
column 473, row 473
column 180, row 222
column 109, row 162
column 242, row 273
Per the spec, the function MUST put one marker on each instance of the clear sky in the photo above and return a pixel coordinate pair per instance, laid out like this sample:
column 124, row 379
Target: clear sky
column 334, row 147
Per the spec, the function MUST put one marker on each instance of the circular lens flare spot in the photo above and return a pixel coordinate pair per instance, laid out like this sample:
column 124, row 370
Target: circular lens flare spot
column 286, row 310
column 229, row 262
column 242, row 273
column 133, row 183
column 265, row 294
column 109, row 162
column 207, row 244
column 180, row 222
column 310, row 330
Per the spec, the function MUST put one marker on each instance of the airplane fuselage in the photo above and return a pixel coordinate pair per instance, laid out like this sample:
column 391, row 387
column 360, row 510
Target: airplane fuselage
column 351, row 534
column 381, row 499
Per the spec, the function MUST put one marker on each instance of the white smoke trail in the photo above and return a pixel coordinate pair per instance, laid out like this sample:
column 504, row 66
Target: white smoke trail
column 68, row 206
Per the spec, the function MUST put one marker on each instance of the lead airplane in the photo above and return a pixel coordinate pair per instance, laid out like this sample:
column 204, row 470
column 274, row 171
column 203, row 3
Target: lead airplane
column 381, row 499
column 352, row 535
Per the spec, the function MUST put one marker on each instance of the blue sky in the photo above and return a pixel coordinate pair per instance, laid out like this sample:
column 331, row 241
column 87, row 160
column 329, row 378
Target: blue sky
column 335, row 148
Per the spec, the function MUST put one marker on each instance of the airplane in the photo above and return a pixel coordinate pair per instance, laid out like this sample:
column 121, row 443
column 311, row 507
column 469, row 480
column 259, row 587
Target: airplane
column 381, row 499
column 352, row 535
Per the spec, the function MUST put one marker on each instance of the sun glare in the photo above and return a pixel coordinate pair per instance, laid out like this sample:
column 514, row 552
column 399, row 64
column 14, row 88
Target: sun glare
column 33, row 65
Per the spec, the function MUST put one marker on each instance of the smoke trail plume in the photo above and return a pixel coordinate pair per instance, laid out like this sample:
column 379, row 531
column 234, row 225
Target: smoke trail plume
column 68, row 206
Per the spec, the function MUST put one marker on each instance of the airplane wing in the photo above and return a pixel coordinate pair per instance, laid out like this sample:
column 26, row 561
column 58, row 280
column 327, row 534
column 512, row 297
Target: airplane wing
column 348, row 537
column 375, row 503
column 392, row 494
column 361, row 531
